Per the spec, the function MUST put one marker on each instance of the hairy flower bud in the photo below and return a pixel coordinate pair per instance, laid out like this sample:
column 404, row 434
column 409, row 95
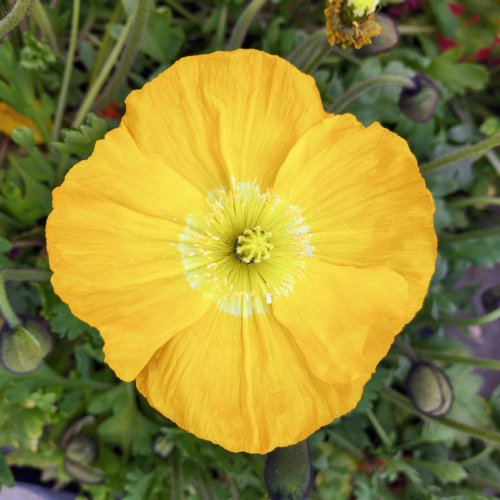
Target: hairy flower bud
column 288, row 472
column 82, row 449
column 162, row 445
column 429, row 389
column 387, row 39
column 23, row 348
column 418, row 103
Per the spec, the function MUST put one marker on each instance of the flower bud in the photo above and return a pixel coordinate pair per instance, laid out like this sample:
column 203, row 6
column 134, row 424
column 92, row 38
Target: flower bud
column 419, row 102
column 82, row 449
column 288, row 473
column 23, row 348
column 74, row 428
column 162, row 445
column 490, row 299
column 387, row 39
column 429, row 389
column 83, row 473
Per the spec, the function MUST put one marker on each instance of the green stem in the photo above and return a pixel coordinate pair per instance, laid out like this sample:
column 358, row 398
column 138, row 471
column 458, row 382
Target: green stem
column 177, row 481
column 106, row 70
column 301, row 53
column 473, row 200
column 480, row 456
column 345, row 444
column 202, row 488
column 473, row 430
column 43, row 21
column 174, row 5
column 483, row 482
column 493, row 159
column 469, row 236
column 14, row 17
column 106, row 39
column 243, row 23
column 405, row 348
column 464, row 153
column 347, row 55
column 127, row 59
column 70, row 57
column 457, row 358
column 378, row 428
column 17, row 275
column 316, row 61
column 220, row 35
column 415, row 29
column 478, row 320
column 370, row 83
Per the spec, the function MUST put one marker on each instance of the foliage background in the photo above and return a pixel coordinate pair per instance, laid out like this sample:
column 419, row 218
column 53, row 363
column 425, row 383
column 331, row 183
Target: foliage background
column 382, row 449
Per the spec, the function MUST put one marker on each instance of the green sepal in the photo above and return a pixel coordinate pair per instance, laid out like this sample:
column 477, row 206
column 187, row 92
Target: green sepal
column 83, row 473
column 419, row 103
column 82, row 449
column 429, row 389
column 23, row 348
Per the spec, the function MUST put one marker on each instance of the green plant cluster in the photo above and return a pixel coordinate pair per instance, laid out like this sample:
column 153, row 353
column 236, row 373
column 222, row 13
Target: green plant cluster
column 386, row 448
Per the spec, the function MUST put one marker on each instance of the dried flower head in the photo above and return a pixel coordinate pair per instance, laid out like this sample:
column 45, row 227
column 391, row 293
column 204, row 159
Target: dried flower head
column 351, row 22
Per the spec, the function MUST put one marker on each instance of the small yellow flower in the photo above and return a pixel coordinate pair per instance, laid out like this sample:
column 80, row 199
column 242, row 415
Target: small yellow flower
column 247, row 257
column 10, row 119
column 351, row 22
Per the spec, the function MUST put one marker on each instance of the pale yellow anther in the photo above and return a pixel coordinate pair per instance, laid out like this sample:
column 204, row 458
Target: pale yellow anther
column 253, row 246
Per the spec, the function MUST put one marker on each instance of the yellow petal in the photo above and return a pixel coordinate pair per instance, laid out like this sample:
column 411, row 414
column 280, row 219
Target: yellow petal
column 335, row 310
column 112, row 240
column 11, row 119
column 243, row 384
column 223, row 115
column 365, row 200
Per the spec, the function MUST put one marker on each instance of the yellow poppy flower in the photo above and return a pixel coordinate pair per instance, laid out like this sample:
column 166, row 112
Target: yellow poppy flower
column 351, row 22
column 246, row 256
column 10, row 119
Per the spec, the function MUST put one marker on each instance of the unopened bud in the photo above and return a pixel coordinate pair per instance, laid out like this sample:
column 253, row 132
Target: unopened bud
column 83, row 473
column 387, row 39
column 419, row 102
column 23, row 347
column 288, row 473
column 429, row 389
column 82, row 449
column 162, row 445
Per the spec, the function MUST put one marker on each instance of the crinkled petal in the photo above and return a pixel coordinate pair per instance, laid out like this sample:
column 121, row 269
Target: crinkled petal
column 112, row 243
column 365, row 200
column 335, row 310
column 243, row 384
column 224, row 115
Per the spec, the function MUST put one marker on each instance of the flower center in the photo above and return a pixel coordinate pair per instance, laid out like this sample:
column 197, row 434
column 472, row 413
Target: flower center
column 217, row 241
column 253, row 245
column 357, row 10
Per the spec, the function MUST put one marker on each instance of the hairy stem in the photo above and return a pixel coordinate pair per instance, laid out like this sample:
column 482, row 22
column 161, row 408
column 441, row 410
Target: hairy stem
column 70, row 58
column 128, row 57
column 473, row 430
column 370, row 83
column 462, row 154
column 243, row 23
column 106, row 70
column 14, row 17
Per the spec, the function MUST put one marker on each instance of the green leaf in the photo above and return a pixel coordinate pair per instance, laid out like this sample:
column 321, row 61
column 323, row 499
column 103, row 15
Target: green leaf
column 377, row 382
column 83, row 142
column 5, row 245
column 6, row 476
column 161, row 41
column 445, row 471
column 445, row 19
column 457, row 75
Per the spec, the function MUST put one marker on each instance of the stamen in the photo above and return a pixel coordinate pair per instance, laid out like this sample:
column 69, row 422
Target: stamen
column 244, row 226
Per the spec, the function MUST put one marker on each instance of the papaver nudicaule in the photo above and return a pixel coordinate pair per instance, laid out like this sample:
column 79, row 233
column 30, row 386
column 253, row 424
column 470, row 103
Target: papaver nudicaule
column 247, row 257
